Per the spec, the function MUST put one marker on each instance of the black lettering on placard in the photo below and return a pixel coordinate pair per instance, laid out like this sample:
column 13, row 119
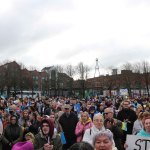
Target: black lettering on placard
column 146, row 143
column 137, row 143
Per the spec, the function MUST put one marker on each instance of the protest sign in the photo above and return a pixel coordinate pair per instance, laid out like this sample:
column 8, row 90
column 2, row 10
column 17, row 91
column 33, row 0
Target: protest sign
column 135, row 142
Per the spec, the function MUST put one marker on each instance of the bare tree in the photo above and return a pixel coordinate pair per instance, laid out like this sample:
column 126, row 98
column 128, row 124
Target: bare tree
column 87, row 70
column 127, row 66
column 127, row 76
column 60, row 68
column 82, row 71
column 137, row 69
column 70, row 70
column 146, row 73
column 80, row 68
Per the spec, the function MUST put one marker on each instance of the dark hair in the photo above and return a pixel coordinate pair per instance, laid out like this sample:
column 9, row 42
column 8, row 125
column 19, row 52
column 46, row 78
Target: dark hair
column 110, row 120
column 35, row 115
column 81, row 146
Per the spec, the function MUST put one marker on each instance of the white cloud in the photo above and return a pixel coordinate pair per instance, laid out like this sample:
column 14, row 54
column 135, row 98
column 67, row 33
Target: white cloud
column 43, row 33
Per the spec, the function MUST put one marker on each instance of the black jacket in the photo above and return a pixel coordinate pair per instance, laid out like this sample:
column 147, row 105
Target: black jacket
column 129, row 114
column 68, row 125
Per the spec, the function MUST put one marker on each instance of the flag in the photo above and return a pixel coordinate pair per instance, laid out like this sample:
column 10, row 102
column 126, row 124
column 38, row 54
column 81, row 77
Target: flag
column 62, row 137
column 77, row 107
column 124, row 126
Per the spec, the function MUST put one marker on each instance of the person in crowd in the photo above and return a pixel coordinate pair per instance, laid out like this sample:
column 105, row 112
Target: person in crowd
column 139, row 109
column 98, row 125
column 127, row 116
column 144, row 116
column 135, row 103
column 109, row 114
column 147, row 108
column 132, row 107
column 100, row 109
column 83, row 106
column 45, row 139
column 24, row 121
column 92, row 112
column 46, row 109
column 33, row 106
column 68, row 121
column 103, row 140
column 145, row 132
column 137, row 126
column 30, row 137
column 109, row 123
column 12, row 110
column 34, row 124
column 12, row 134
column 81, row 146
column 25, row 103
column 146, row 128
column 84, row 123
column 52, row 117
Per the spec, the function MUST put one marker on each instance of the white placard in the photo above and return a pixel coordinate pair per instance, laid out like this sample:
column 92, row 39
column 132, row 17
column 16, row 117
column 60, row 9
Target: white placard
column 135, row 142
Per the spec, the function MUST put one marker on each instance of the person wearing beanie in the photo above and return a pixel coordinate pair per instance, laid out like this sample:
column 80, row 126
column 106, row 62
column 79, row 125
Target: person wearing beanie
column 23, row 146
column 46, row 139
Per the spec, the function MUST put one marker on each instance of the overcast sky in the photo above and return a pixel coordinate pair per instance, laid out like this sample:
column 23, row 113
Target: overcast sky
column 42, row 33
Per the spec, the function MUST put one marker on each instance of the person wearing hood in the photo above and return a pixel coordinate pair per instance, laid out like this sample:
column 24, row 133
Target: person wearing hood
column 12, row 134
column 46, row 139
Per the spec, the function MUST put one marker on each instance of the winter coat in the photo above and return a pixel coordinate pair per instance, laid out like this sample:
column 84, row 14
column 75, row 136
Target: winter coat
column 68, row 125
column 12, row 134
column 40, row 140
column 90, row 133
column 34, row 127
column 137, row 126
column 143, row 133
column 117, row 134
column 130, row 115
column 81, row 127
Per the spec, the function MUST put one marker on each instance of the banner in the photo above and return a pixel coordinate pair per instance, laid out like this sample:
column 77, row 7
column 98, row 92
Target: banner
column 135, row 142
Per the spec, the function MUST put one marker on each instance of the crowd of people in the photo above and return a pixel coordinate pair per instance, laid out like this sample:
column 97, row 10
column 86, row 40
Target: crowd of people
column 60, row 123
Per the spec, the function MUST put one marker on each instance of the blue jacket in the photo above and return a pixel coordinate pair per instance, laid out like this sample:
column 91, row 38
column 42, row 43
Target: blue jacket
column 143, row 133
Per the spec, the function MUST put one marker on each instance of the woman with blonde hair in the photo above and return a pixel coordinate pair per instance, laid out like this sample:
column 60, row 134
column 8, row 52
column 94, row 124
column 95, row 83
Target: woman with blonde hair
column 84, row 123
column 30, row 137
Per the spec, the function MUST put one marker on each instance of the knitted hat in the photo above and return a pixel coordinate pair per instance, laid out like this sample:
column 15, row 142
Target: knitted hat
column 23, row 146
